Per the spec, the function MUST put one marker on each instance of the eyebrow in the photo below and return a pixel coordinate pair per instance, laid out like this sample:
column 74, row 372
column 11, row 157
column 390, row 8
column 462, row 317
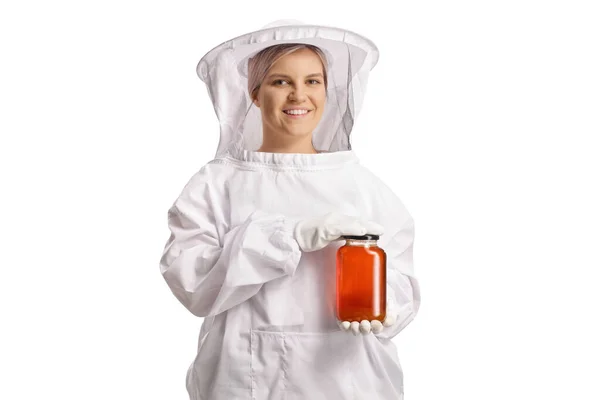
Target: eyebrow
column 287, row 76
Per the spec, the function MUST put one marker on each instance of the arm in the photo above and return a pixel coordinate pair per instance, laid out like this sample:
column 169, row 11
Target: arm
column 403, row 293
column 402, row 289
column 209, row 274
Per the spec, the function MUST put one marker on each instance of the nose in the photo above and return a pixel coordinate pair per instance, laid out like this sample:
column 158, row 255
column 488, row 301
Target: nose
column 297, row 94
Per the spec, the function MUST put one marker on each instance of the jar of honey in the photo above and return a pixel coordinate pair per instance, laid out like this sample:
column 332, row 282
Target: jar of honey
column 361, row 279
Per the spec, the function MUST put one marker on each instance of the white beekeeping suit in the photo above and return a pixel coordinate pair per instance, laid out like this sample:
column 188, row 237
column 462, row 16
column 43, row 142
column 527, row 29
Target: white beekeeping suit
column 269, row 329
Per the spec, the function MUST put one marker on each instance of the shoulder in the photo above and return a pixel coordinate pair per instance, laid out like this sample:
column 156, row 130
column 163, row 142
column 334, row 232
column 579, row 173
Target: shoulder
column 211, row 172
column 386, row 204
column 206, row 184
column 371, row 182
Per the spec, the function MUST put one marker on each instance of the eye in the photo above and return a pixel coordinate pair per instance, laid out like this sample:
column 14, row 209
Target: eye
column 276, row 82
column 315, row 81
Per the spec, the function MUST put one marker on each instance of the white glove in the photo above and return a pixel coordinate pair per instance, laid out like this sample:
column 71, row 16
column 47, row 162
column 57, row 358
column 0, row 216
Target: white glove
column 315, row 233
column 365, row 327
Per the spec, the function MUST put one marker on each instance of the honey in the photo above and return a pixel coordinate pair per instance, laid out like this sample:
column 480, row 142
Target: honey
column 361, row 280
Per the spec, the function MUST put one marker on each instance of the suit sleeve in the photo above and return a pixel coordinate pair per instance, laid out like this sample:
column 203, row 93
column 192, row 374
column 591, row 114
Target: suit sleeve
column 210, row 274
column 403, row 293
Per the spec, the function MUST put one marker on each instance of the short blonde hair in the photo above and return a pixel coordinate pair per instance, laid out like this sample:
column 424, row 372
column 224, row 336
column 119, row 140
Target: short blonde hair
column 259, row 65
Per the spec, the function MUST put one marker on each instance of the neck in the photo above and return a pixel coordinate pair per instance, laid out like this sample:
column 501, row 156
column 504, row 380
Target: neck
column 281, row 144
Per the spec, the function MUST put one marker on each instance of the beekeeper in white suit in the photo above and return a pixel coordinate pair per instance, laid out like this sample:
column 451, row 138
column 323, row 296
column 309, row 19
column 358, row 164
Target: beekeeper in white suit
column 254, row 233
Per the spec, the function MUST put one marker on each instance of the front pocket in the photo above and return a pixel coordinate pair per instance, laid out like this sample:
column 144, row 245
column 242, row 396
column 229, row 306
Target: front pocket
column 299, row 365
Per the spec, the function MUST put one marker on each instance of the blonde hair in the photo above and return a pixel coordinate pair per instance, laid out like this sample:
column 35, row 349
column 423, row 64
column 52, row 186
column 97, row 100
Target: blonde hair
column 259, row 65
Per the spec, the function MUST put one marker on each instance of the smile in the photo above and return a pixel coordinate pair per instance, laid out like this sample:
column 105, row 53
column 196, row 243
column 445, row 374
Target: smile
column 296, row 113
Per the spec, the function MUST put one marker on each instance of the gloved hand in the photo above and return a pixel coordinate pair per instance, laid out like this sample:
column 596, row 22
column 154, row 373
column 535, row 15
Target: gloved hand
column 365, row 327
column 315, row 233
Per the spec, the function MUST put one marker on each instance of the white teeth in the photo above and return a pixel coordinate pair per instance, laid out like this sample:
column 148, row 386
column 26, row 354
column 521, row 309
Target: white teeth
column 296, row 112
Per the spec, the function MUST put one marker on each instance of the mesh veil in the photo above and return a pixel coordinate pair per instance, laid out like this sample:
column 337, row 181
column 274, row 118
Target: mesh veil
column 224, row 70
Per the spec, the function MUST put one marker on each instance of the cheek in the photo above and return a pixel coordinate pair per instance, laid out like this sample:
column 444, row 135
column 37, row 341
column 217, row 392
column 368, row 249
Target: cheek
column 320, row 99
column 321, row 105
column 273, row 104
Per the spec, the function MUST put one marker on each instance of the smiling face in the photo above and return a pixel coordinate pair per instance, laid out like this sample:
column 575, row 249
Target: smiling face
column 292, row 96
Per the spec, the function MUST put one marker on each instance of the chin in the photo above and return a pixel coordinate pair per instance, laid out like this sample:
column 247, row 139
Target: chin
column 299, row 134
column 300, row 131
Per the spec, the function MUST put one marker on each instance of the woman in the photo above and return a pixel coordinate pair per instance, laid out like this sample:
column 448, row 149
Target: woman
column 254, row 232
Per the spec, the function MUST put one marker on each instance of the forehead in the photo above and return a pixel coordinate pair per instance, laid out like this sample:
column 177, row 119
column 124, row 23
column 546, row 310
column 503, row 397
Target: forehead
column 303, row 60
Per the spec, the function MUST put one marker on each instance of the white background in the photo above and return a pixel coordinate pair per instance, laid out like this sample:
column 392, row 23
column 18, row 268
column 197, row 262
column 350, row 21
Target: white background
column 482, row 116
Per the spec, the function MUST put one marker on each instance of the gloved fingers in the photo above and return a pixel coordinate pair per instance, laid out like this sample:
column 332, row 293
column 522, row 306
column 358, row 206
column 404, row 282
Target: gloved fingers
column 376, row 326
column 354, row 228
column 365, row 327
column 357, row 228
column 390, row 319
column 344, row 325
column 373, row 227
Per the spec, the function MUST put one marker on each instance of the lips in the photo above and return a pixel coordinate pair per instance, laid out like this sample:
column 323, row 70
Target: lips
column 297, row 116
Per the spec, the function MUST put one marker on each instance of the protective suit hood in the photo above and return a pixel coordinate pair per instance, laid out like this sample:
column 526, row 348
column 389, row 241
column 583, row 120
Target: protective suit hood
column 224, row 70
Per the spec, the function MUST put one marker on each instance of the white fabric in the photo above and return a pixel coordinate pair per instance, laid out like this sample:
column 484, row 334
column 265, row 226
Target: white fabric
column 315, row 233
column 269, row 329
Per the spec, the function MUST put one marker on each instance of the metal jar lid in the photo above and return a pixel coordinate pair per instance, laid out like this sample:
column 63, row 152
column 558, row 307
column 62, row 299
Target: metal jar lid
column 362, row 237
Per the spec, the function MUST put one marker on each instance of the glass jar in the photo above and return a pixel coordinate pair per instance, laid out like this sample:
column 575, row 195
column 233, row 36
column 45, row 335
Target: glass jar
column 361, row 279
